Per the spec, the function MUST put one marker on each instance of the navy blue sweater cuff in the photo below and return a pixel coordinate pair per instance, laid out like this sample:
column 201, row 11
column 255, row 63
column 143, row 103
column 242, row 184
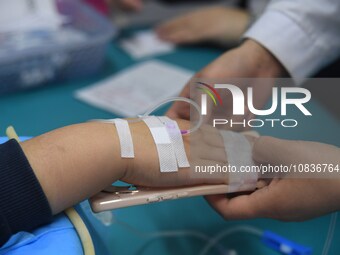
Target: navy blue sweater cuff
column 23, row 204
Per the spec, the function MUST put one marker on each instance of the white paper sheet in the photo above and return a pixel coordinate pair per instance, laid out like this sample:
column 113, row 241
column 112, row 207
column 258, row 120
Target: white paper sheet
column 132, row 91
column 145, row 44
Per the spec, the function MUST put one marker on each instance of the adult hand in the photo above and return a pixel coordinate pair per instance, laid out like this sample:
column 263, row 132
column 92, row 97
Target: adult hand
column 250, row 60
column 217, row 24
column 286, row 199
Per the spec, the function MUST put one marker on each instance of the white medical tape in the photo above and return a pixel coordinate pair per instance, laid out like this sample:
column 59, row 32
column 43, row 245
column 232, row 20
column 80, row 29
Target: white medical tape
column 165, row 149
column 239, row 153
column 176, row 140
column 125, row 138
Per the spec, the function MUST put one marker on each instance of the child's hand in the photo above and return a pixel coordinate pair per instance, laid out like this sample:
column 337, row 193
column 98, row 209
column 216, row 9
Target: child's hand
column 144, row 168
column 216, row 24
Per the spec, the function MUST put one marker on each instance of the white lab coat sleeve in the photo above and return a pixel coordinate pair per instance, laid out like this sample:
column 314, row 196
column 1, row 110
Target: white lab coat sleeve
column 304, row 35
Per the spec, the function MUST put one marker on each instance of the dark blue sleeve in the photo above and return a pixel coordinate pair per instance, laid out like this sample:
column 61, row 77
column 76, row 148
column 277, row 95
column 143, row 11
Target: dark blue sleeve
column 23, row 204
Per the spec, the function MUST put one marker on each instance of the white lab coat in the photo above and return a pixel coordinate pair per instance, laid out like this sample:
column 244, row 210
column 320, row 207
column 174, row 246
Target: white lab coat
column 304, row 35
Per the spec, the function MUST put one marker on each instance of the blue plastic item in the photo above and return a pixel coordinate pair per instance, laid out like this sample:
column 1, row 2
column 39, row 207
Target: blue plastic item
column 4, row 139
column 77, row 49
column 284, row 246
column 56, row 238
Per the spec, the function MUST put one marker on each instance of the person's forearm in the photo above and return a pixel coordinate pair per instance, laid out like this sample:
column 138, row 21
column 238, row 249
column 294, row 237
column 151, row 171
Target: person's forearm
column 265, row 64
column 75, row 162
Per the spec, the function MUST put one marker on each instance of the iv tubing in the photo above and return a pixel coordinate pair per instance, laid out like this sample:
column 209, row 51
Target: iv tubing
column 178, row 99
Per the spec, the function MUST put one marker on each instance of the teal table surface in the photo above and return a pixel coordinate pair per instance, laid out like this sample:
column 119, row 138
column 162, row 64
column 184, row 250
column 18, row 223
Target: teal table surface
column 43, row 109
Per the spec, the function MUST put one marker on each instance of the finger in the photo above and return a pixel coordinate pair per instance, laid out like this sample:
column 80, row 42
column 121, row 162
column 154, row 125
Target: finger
column 180, row 37
column 176, row 24
column 265, row 202
column 172, row 26
column 277, row 151
column 179, row 110
column 172, row 113
column 235, row 208
column 258, row 204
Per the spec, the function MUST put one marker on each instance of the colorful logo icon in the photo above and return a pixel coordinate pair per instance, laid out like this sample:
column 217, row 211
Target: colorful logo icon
column 211, row 91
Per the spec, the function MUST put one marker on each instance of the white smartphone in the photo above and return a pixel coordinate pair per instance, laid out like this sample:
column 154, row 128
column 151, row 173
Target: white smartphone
column 117, row 197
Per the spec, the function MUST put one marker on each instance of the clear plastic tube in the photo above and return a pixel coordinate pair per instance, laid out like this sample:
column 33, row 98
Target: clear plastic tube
column 168, row 100
column 153, row 236
column 330, row 234
column 217, row 239
column 181, row 233
column 181, row 99
column 211, row 243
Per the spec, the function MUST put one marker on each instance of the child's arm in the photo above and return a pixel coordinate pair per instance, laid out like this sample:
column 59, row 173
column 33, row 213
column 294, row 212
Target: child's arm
column 75, row 162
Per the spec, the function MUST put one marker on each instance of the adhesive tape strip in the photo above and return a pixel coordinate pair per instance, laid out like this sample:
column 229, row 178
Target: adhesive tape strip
column 176, row 140
column 166, row 152
column 125, row 138
column 239, row 153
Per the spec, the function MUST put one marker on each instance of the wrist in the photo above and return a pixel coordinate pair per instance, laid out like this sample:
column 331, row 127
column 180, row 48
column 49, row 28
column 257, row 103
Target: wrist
column 266, row 63
column 146, row 156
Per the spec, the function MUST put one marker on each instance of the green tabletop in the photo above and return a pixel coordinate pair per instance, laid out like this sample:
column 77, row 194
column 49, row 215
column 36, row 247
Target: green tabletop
column 43, row 109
